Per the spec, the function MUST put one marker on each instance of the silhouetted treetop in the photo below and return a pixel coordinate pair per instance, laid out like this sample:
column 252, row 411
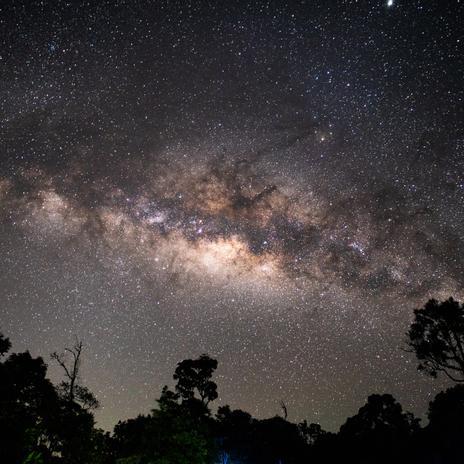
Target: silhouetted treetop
column 381, row 412
column 447, row 409
column 445, row 432
column 5, row 345
column 311, row 432
column 48, row 424
column 437, row 338
column 194, row 375
column 71, row 389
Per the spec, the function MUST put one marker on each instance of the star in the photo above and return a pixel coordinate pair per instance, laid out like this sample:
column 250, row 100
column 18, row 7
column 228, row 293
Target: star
column 245, row 182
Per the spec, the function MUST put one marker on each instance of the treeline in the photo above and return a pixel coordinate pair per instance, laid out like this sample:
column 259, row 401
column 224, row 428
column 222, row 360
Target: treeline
column 45, row 423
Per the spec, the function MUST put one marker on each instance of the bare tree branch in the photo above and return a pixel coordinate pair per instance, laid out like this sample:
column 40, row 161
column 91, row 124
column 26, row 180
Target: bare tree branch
column 72, row 390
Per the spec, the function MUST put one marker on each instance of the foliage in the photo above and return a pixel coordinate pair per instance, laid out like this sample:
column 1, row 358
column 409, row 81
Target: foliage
column 169, row 435
column 380, row 430
column 311, row 433
column 37, row 423
column 446, row 411
column 194, row 375
column 41, row 423
column 35, row 457
column 380, row 413
column 5, row 345
column 29, row 406
column 178, row 431
column 437, row 338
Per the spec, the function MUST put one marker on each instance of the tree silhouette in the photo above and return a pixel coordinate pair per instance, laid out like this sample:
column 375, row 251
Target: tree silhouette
column 437, row 338
column 234, row 430
column 76, row 422
column 132, row 437
column 447, row 409
column 195, row 375
column 379, row 432
column 29, row 407
column 379, row 413
column 277, row 440
column 244, row 439
column 179, row 431
column 443, row 437
column 71, row 389
column 283, row 406
column 42, row 423
column 311, row 433
column 5, row 345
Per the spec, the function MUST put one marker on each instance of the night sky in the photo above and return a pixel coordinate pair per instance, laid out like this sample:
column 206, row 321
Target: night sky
column 276, row 184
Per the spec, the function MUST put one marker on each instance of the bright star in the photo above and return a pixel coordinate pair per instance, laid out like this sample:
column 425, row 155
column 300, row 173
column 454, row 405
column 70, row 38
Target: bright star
column 390, row 3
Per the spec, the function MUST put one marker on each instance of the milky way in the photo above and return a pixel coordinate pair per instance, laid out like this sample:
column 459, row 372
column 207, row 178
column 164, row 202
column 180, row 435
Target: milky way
column 277, row 185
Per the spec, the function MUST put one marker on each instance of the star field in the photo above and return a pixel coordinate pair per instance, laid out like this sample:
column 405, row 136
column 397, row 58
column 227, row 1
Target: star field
column 277, row 184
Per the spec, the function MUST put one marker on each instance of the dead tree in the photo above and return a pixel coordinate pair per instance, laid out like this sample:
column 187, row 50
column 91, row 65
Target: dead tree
column 284, row 409
column 72, row 390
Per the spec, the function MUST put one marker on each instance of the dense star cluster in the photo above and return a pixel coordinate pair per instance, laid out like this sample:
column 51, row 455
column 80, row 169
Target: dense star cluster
column 277, row 184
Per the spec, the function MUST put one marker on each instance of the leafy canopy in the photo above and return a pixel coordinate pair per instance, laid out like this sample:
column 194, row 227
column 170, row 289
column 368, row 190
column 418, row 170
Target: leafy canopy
column 437, row 338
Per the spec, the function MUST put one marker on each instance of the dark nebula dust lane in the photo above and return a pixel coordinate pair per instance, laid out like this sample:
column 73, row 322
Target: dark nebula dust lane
column 275, row 184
